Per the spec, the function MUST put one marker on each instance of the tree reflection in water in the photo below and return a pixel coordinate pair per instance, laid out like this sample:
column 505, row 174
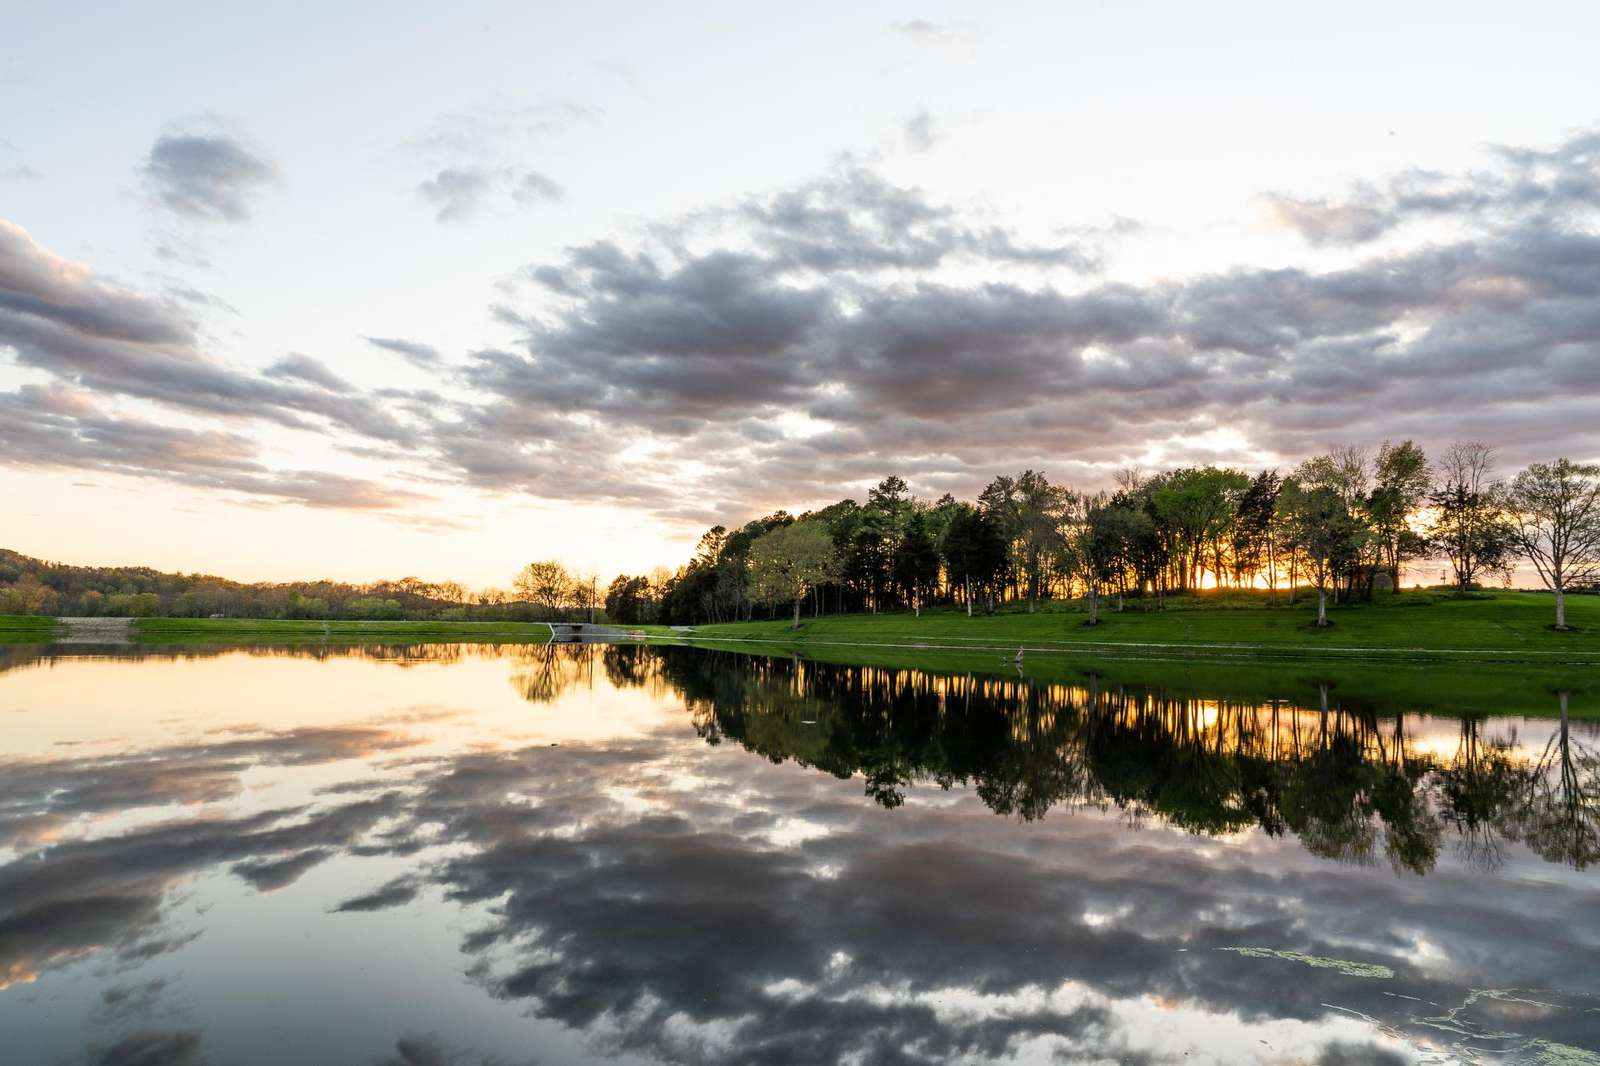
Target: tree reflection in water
column 1349, row 785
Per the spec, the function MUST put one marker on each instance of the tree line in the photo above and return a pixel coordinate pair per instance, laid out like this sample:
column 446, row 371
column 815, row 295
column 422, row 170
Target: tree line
column 1340, row 526
column 34, row 586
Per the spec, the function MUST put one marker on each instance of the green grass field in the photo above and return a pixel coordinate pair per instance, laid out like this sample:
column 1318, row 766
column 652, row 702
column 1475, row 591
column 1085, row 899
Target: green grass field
column 1491, row 653
column 25, row 628
column 1515, row 627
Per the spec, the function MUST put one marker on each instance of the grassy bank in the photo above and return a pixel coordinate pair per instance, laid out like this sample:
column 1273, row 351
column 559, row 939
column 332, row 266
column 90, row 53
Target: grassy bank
column 305, row 631
column 1511, row 627
column 1382, row 688
column 25, row 629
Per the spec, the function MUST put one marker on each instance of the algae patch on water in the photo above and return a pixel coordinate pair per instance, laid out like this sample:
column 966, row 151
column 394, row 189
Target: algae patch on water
column 1344, row 966
column 1549, row 1053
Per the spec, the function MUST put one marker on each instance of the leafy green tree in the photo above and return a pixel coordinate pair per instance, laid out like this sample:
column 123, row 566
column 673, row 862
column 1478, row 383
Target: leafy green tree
column 1254, row 547
column 789, row 561
column 1322, row 529
column 974, row 551
column 1403, row 482
column 916, row 560
column 1195, row 507
column 1040, row 510
column 1095, row 544
column 628, row 600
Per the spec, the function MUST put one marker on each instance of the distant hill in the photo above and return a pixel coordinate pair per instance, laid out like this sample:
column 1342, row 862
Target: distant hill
column 36, row 586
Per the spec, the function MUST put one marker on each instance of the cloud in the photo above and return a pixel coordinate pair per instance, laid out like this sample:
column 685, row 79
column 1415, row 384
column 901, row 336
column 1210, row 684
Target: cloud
column 207, row 177
column 100, row 342
column 396, row 893
column 1550, row 184
column 36, row 284
column 456, row 193
column 535, row 188
column 151, row 1047
column 881, row 330
column 921, row 132
column 423, row 355
column 939, row 34
column 459, row 192
column 295, row 366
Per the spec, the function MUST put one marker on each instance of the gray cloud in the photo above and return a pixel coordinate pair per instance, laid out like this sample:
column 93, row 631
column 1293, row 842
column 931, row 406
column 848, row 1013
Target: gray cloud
column 423, row 355
column 921, row 131
column 396, row 893
column 460, row 191
column 456, row 193
column 149, row 1047
column 295, row 366
column 849, row 301
column 1550, row 184
column 209, row 177
column 100, row 342
column 535, row 188
column 793, row 342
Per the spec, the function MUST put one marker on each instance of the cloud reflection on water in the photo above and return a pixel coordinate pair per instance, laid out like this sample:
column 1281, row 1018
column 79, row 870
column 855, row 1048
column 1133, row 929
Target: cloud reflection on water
column 679, row 900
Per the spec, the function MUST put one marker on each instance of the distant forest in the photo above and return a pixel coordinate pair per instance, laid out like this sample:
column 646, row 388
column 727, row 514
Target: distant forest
column 33, row 586
column 1340, row 526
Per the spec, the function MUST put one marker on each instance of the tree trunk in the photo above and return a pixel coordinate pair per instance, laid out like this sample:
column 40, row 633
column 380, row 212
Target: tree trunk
column 967, row 594
column 1561, row 606
column 1094, row 604
column 797, row 600
column 1272, row 574
column 1322, row 604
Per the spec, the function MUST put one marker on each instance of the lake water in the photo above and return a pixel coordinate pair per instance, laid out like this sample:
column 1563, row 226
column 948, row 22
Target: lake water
column 570, row 854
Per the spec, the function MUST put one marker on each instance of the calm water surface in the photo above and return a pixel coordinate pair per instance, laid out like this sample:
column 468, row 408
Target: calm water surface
column 576, row 854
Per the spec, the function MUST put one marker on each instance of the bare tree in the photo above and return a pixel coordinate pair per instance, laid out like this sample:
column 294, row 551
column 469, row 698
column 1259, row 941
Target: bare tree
column 1468, row 527
column 1555, row 521
column 545, row 584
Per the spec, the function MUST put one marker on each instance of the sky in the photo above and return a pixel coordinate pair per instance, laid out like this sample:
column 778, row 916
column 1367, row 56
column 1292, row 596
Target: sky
column 363, row 291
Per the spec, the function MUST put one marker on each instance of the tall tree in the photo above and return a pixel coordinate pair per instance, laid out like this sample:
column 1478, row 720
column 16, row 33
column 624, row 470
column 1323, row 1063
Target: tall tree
column 974, row 551
column 1469, row 528
column 1554, row 513
column 546, row 585
column 1040, row 509
column 787, row 562
column 628, row 600
column 1253, row 548
column 998, row 501
column 1196, row 505
column 1095, row 540
column 1403, row 482
column 1321, row 530
column 916, row 560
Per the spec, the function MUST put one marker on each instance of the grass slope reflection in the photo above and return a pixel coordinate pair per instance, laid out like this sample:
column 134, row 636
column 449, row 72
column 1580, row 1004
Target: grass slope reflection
column 1048, row 871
